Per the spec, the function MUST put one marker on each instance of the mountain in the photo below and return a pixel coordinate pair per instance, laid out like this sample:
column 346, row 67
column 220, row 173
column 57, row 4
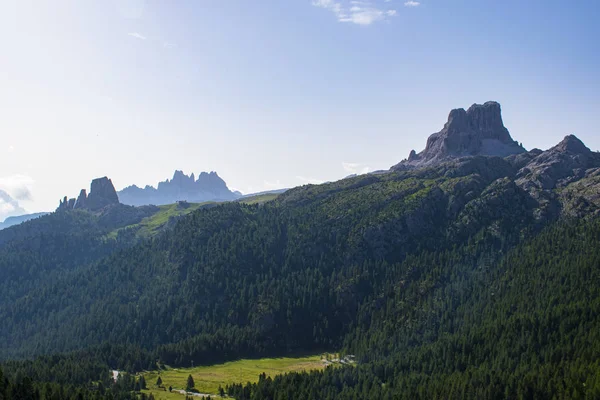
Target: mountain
column 102, row 194
column 10, row 221
column 472, row 276
column 208, row 187
column 479, row 131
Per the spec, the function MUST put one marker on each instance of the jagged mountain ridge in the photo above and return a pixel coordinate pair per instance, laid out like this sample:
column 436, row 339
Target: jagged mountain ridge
column 208, row 187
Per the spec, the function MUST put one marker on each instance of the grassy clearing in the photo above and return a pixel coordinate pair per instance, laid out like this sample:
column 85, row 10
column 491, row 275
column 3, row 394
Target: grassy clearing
column 209, row 378
column 261, row 198
column 152, row 225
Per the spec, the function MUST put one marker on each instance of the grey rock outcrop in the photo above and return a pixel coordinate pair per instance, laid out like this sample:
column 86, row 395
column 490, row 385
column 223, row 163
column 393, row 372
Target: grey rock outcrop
column 564, row 163
column 561, row 181
column 102, row 194
column 81, row 201
column 478, row 131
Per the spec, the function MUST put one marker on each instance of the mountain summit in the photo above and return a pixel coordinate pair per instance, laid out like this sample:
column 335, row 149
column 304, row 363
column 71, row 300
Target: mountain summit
column 478, row 131
column 102, row 194
column 207, row 187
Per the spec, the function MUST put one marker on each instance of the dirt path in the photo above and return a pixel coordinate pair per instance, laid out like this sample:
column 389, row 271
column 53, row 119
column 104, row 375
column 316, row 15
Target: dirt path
column 183, row 392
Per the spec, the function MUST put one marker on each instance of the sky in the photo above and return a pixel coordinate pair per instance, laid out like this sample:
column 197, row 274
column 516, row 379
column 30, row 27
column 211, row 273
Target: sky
column 274, row 93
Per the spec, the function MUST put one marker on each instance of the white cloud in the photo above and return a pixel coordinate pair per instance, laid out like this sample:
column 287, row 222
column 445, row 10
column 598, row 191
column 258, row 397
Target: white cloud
column 137, row 35
column 355, row 11
column 17, row 186
column 9, row 206
column 355, row 168
column 412, row 3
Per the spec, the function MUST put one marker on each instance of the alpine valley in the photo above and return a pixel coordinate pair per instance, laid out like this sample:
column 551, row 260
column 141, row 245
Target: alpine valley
column 469, row 270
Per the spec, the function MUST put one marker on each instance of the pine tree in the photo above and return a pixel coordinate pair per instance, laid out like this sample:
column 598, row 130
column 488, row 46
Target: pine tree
column 2, row 386
column 159, row 382
column 190, row 383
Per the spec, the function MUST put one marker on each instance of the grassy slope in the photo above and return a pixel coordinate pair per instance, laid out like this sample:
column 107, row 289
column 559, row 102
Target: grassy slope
column 152, row 225
column 209, row 378
column 262, row 198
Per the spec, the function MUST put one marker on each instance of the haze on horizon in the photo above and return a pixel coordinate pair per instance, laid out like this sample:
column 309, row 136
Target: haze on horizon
column 272, row 93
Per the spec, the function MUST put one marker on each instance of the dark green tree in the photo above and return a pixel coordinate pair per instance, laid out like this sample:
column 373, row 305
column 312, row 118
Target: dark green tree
column 190, row 383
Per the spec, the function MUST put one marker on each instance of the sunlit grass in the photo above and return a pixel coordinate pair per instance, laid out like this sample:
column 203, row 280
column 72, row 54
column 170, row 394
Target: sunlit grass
column 207, row 379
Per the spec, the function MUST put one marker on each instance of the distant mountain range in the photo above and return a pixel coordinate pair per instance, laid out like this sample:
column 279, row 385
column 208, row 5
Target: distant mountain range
column 11, row 221
column 208, row 187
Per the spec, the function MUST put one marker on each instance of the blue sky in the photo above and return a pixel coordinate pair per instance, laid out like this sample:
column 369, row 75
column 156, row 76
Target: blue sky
column 275, row 93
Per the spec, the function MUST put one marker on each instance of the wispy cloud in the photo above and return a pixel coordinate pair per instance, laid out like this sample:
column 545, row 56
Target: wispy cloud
column 18, row 186
column 360, row 12
column 412, row 3
column 13, row 189
column 355, row 168
column 137, row 35
column 9, row 206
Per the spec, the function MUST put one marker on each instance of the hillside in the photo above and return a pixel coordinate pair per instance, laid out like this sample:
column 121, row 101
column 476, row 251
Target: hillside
column 236, row 265
column 475, row 277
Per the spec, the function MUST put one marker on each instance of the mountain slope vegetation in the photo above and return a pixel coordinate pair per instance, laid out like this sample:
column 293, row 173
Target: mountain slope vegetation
column 474, row 278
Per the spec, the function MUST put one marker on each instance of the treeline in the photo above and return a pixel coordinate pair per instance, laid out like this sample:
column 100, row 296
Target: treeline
column 19, row 387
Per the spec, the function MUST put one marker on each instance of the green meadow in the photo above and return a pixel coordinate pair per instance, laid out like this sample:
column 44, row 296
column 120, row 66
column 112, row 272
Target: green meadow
column 207, row 379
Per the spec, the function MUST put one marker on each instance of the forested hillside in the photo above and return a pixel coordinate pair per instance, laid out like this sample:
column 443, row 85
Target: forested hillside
column 452, row 281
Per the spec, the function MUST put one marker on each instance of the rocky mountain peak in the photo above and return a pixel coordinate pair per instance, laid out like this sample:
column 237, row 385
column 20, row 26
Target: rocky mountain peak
column 81, row 200
column 478, row 131
column 208, row 186
column 571, row 144
column 486, row 119
column 567, row 162
column 102, row 194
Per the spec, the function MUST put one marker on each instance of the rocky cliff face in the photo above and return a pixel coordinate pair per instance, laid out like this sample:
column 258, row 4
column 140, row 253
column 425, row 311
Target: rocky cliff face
column 208, row 187
column 479, row 131
column 102, row 194
column 561, row 181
